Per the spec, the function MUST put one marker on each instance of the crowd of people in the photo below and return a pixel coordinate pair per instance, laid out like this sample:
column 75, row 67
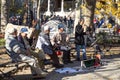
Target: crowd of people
column 21, row 48
column 18, row 44
column 30, row 45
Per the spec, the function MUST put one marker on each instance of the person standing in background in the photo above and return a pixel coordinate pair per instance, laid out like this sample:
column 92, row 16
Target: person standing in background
column 27, row 16
column 80, row 31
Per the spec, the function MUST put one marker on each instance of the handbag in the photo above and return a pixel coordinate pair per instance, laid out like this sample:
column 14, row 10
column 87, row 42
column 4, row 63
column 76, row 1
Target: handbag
column 58, row 52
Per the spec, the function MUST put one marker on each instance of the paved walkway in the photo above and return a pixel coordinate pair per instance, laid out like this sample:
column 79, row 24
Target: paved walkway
column 110, row 71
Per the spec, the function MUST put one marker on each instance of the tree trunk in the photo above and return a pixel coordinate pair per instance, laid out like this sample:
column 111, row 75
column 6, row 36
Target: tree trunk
column 88, row 12
column 3, row 15
column 0, row 15
column 38, row 10
column 38, row 13
column 78, row 12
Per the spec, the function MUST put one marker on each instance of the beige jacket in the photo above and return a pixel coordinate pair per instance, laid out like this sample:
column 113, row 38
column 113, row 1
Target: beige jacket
column 61, row 39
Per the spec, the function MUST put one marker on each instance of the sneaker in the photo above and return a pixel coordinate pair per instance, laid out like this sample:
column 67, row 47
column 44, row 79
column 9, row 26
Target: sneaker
column 38, row 76
column 65, row 62
column 70, row 61
column 43, row 74
column 47, row 62
column 58, row 65
column 45, row 70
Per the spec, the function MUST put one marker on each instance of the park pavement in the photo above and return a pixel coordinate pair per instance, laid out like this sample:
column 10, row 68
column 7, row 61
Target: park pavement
column 110, row 70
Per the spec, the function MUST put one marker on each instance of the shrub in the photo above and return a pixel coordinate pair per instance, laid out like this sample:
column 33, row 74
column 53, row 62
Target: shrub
column 2, row 42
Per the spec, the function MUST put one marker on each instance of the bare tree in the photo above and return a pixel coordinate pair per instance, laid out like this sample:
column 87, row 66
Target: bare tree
column 3, row 15
column 38, row 10
column 85, row 9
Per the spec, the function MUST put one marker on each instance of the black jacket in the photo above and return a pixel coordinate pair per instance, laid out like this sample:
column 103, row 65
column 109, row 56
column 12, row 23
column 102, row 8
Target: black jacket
column 79, row 35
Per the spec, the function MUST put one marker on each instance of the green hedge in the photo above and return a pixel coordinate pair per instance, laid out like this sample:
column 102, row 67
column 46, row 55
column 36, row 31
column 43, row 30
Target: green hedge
column 106, row 38
column 2, row 42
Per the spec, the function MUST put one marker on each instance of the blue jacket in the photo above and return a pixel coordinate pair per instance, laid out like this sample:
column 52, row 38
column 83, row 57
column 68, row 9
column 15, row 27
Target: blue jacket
column 14, row 46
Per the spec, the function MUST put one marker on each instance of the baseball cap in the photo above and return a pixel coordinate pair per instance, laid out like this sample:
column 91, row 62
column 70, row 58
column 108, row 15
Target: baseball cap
column 60, row 26
column 24, row 30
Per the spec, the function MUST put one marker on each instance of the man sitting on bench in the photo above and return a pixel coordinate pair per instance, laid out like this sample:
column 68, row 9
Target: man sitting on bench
column 18, row 53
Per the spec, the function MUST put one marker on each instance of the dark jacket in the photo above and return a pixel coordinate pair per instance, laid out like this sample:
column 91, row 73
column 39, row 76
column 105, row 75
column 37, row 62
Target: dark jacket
column 79, row 35
column 20, row 39
column 46, row 43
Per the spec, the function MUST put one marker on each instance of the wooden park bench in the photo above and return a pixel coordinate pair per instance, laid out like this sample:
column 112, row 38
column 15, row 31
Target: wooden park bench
column 6, row 70
column 108, row 50
column 9, row 68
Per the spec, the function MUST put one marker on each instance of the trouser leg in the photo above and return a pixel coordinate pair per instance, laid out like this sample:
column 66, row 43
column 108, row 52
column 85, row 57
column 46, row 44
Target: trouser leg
column 84, row 52
column 40, row 57
column 54, row 58
column 78, row 51
column 32, row 62
column 66, row 55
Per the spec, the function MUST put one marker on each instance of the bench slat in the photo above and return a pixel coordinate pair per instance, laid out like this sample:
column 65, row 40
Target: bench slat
column 10, row 69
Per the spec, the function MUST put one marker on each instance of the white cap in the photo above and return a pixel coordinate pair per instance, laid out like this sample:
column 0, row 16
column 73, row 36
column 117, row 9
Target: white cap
column 11, row 30
column 46, row 28
column 8, row 27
